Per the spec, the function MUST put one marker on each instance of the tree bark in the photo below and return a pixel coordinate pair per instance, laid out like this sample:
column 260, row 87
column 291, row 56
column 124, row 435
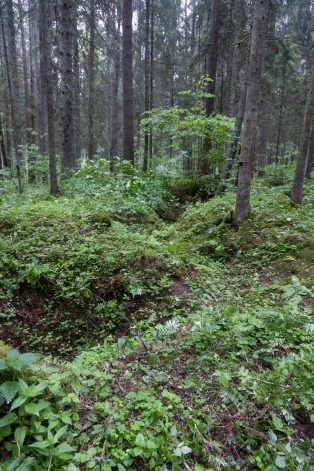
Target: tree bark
column 211, row 70
column 31, row 73
column 282, row 95
column 235, row 57
column 151, row 82
column 115, row 74
column 299, row 175
column 66, row 85
column 25, row 76
column 76, row 92
column 147, row 75
column 234, row 149
column 2, row 146
column 11, row 59
column 251, row 109
column 127, row 72
column 310, row 158
column 266, row 87
column 46, row 71
column 264, row 132
column 91, row 82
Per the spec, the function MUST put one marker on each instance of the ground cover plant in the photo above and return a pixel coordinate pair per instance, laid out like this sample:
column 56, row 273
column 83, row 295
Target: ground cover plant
column 132, row 340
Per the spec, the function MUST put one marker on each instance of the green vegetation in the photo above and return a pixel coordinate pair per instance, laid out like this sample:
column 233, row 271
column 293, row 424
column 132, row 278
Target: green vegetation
column 162, row 337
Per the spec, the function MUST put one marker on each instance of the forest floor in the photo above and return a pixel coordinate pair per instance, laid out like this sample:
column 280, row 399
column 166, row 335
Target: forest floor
column 170, row 340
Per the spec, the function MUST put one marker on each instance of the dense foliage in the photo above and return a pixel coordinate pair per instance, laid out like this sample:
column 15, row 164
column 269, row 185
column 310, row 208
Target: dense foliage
column 165, row 338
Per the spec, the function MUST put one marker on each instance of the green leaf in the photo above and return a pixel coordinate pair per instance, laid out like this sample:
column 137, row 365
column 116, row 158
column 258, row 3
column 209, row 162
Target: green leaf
column 59, row 433
column 64, row 456
column 41, row 445
column 272, row 436
column 11, row 465
column 23, row 386
column 173, row 431
column 13, row 354
column 151, row 445
column 78, row 387
column 140, row 439
column 185, row 450
column 64, row 448
column 28, row 465
column 30, row 358
column 9, row 389
column 18, row 402
column 121, row 343
column 16, row 365
column 8, row 419
column 36, row 390
column 280, row 461
column 277, row 422
column 137, row 451
column 5, row 431
column 19, row 435
column 34, row 409
column 3, row 365
column 65, row 417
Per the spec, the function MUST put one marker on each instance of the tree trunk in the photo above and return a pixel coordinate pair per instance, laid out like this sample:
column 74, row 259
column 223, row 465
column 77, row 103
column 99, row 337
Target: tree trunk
column 115, row 73
column 31, row 73
column 146, row 66
column 266, row 85
column 2, row 146
column 299, row 175
column 127, row 71
column 76, row 92
column 26, row 78
column 264, row 131
column 310, row 158
column 235, row 57
column 234, row 149
column 91, row 82
column 46, row 71
column 11, row 60
column 211, row 70
column 280, row 112
column 66, row 85
column 251, row 109
column 151, row 84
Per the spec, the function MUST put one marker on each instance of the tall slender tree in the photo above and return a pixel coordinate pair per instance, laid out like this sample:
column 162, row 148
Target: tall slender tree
column 147, row 80
column 299, row 175
column 91, row 81
column 211, row 70
column 127, row 79
column 66, row 85
column 115, row 76
column 238, row 13
column 46, row 71
column 251, row 109
column 76, row 90
column 13, row 82
column 25, row 76
column 310, row 158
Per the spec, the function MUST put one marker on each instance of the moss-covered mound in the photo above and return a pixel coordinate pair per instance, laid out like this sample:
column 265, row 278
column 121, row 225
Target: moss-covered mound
column 277, row 231
column 67, row 272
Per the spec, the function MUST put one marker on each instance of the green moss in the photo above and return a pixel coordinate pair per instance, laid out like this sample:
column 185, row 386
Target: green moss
column 4, row 349
column 100, row 219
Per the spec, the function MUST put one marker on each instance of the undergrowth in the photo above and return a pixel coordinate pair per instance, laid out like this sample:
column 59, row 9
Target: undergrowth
column 182, row 346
